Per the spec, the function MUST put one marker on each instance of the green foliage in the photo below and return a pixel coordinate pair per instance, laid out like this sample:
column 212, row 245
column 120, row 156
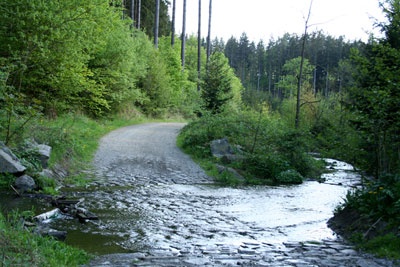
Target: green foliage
column 14, row 114
column 6, row 180
column 19, row 247
column 375, row 105
column 272, row 153
column 378, row 199
column 385, row 246
column 72, row 54
column 165, row 85
column 217, row 88
column 288, row 83
column 289, row 177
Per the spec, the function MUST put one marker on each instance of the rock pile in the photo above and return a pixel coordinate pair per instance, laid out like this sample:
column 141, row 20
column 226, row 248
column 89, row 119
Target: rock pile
column 11, row 164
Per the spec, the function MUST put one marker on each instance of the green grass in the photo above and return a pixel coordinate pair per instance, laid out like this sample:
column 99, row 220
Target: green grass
column 385, row 246
column 19, row 247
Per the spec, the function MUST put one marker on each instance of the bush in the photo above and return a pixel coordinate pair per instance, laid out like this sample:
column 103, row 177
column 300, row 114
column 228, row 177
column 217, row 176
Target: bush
column 380, row 198
column 289, row 177
column 269, row 147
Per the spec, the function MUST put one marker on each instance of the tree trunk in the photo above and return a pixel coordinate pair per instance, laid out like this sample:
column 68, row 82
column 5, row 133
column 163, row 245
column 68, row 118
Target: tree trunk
column 139, row 13
column 199, row 49
column 173, row 23
column 123, row 9
column 183, row 46
column 133, row 13
column 209, row 31
column 299, row 79
column 156, row 23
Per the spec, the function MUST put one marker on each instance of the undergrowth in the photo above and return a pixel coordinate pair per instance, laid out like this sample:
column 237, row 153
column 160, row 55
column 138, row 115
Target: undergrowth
column 269, row 151
column 19, row 247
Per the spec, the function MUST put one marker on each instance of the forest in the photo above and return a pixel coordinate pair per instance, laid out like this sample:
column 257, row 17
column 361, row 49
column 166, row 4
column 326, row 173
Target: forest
column 278, row 101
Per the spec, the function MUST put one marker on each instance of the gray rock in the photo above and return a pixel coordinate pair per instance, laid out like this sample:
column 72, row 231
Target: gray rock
column 9, row 163
column 221, row 148
column 230, row 170
column 45, row 230
column 24, row 183
column 47, row 173
column 41, row 151
column 44, row 154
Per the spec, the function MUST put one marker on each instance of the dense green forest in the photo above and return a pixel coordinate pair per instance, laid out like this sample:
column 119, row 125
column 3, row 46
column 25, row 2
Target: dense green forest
column 89, row 57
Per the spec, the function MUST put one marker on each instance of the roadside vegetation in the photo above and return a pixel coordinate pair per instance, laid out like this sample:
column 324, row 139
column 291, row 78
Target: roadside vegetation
column 91, row 72
column 267, row 149
column 20, row 247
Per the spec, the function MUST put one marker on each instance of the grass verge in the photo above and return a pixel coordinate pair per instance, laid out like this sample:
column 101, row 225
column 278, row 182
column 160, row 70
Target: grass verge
column 19, row 247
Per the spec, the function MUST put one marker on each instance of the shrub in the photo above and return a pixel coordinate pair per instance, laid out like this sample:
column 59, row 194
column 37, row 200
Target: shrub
column 269, row 147
column 289, row 177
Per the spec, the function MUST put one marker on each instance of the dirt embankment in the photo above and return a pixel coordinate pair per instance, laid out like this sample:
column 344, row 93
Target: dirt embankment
column 349, row 223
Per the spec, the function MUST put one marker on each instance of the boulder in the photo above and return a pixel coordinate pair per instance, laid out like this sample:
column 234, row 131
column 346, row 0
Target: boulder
column 41, row 151
column 222, row 150
column 9, row 163
column 24, row 183
column 44, row 152
column 230, row 170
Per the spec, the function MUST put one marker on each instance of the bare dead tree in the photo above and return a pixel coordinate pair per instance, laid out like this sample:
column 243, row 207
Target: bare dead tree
column 299, row 78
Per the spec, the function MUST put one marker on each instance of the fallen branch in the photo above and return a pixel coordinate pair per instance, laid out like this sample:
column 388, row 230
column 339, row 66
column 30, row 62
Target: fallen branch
column 15, row 190
column 309, row 102
column 372, row 227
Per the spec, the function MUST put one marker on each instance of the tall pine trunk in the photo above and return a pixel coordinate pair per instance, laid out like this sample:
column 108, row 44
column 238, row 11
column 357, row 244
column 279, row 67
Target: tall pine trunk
column 139, row 13
column 183, row 46
column 133, row 13
column 199, row 49
column 156, row 23
column 209, row 31
column 173, row 23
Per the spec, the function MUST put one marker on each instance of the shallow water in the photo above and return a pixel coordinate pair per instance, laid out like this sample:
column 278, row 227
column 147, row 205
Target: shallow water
column 184, row 216
column 149, row 222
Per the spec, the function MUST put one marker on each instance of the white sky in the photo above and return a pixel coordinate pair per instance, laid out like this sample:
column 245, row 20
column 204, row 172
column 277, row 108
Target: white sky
column 264, row 19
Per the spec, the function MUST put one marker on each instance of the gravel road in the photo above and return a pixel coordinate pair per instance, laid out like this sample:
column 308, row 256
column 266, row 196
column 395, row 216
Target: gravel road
column 149, row 153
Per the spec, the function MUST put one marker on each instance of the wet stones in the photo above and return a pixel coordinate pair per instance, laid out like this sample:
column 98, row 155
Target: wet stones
column 297, row 254
column 24, row 183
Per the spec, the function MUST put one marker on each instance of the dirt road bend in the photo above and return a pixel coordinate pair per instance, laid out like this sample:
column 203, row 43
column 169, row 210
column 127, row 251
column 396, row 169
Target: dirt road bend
column 148, row 152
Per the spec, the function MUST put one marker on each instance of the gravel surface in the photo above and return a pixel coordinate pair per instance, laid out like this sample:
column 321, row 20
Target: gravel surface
column 150, row 152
